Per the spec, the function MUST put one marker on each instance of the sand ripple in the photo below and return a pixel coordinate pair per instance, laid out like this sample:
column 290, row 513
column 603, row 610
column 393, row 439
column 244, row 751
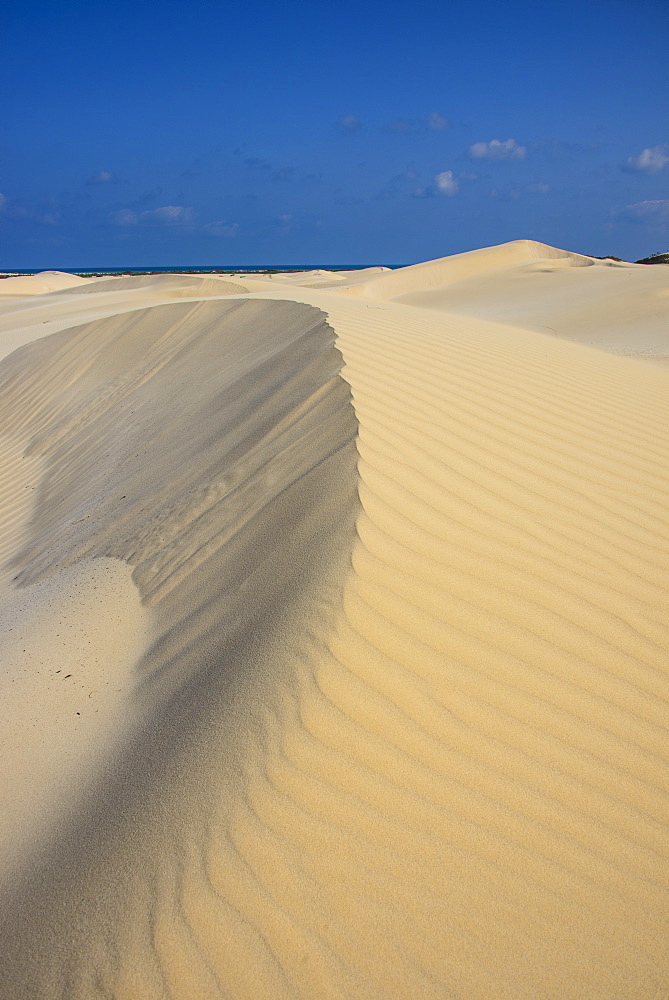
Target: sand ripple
column 403, row 732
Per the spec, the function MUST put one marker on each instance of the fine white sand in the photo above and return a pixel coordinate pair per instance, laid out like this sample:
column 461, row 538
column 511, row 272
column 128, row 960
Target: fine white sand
column 360, row 581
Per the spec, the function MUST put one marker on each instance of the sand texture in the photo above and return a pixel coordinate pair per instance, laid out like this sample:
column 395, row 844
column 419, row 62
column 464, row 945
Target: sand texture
column 36, row 284
column 334, row 634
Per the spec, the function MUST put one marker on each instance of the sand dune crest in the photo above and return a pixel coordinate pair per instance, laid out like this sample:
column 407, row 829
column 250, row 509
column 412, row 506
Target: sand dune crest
column 447, row 270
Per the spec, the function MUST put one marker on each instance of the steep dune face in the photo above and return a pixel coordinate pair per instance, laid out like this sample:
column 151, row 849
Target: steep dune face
column 211, row 446
column 401, row 727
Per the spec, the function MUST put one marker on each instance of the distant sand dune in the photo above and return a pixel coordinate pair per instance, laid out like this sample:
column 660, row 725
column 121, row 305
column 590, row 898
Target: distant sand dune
column 448, row 270
column 622, row 308
column 166, row 285
column 38, row 284
column 398, row 724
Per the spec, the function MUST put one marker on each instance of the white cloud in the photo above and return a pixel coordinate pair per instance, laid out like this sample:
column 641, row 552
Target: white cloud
column 650, row 160
column 539, row 188
column 497, row 150
column 436, row 122
column 446, row 182
column 350, row 123
column 225, row 229
column 166, row 215
column 102, row 177
column 648, row 211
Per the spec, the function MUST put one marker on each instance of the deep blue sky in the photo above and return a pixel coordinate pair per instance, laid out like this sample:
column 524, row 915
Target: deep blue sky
column 351, row 132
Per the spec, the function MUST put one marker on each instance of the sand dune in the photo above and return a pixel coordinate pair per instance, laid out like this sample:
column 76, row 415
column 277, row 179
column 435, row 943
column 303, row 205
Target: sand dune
column 165, row 285
column 422, row 278
column 382, row 709
column 38, row 284
column 23, row 319
column 619, row 307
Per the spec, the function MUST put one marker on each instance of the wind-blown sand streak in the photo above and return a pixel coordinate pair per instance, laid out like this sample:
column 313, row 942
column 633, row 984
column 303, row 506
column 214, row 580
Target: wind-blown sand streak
column 426, row 757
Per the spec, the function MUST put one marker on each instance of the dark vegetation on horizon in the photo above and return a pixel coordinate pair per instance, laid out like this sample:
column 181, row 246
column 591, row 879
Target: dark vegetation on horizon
column 655, row 258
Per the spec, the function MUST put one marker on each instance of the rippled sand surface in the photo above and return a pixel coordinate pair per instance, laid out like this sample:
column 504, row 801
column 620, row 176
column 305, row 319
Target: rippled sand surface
column 334, row 655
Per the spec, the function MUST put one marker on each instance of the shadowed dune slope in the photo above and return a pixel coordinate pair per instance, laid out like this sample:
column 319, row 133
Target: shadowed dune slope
column 210, row 445
column 402, row 730
column 30, row 317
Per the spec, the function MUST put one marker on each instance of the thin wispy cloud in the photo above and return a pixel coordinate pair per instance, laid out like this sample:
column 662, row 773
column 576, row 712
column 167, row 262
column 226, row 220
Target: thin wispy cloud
column 166, row 215
column 349, row 123
column 227, row 230
column 650, row 160
column 656, row 211
column 446, row 182
column 559, row 149
column 102, row 177
column 398, row 184
column 14, row 211
column 497, row 149
column 46, row 214
column 436, row 122
column 260, row 165
column 123, row 217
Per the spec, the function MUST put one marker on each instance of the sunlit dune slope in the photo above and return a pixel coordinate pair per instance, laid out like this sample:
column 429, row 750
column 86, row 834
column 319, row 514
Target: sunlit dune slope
column 167, row 285
column 618, row 307
column 448, row 270
column 38, row 284
column 399, row 727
